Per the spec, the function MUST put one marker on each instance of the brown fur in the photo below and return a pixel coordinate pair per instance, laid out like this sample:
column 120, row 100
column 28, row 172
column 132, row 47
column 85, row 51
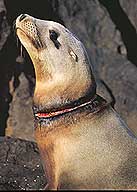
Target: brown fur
column 81, row 149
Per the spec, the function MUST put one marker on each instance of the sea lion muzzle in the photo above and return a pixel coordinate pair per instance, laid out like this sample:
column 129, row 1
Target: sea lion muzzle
column 29, row 27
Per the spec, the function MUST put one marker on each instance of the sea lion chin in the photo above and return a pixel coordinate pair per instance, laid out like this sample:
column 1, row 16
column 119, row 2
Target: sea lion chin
column 83, row 142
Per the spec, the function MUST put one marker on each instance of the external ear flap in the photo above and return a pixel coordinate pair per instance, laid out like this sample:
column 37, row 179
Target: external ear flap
column 73, row 55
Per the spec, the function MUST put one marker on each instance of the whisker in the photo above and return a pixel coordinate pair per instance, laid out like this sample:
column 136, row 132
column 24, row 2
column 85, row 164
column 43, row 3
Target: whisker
column 17, row 41
column 14, row 27
column 21, row 50
column 38, row 37
column 14, row 32
column 21, row 57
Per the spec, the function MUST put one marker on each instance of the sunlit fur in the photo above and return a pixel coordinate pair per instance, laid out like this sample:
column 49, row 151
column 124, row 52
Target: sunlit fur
column 80, row 150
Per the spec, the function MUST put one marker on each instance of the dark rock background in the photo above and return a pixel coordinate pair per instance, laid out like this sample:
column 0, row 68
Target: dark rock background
column 108, row 29
column 20, row 165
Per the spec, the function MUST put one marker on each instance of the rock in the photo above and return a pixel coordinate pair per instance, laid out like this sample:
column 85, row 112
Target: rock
column 20, row 165
column 4, row 96
column 130, row 10
column 124, row 25
column 4, row 27
column 120, row 75
column 20, row 123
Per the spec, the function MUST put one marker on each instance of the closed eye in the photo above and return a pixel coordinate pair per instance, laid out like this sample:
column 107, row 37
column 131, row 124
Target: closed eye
column 54, row 36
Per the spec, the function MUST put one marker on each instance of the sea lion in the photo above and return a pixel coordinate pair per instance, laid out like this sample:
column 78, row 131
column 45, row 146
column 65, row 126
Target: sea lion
column 83, row 142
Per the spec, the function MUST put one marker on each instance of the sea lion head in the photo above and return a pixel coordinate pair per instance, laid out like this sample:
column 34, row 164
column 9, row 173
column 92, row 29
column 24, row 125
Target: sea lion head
column 62, row 68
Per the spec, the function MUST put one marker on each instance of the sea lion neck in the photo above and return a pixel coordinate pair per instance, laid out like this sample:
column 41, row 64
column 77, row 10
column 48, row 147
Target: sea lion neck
column 53, row 119
column 53, row 95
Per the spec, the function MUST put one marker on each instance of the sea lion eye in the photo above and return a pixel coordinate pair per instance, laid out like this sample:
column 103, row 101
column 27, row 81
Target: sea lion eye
column 53, row 35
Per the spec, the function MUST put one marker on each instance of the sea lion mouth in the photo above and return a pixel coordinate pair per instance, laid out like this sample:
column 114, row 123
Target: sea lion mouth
column 37, row 43
column 30, row 30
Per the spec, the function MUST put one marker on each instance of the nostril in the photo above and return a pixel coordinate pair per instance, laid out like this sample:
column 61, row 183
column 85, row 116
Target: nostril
column 22, row 17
